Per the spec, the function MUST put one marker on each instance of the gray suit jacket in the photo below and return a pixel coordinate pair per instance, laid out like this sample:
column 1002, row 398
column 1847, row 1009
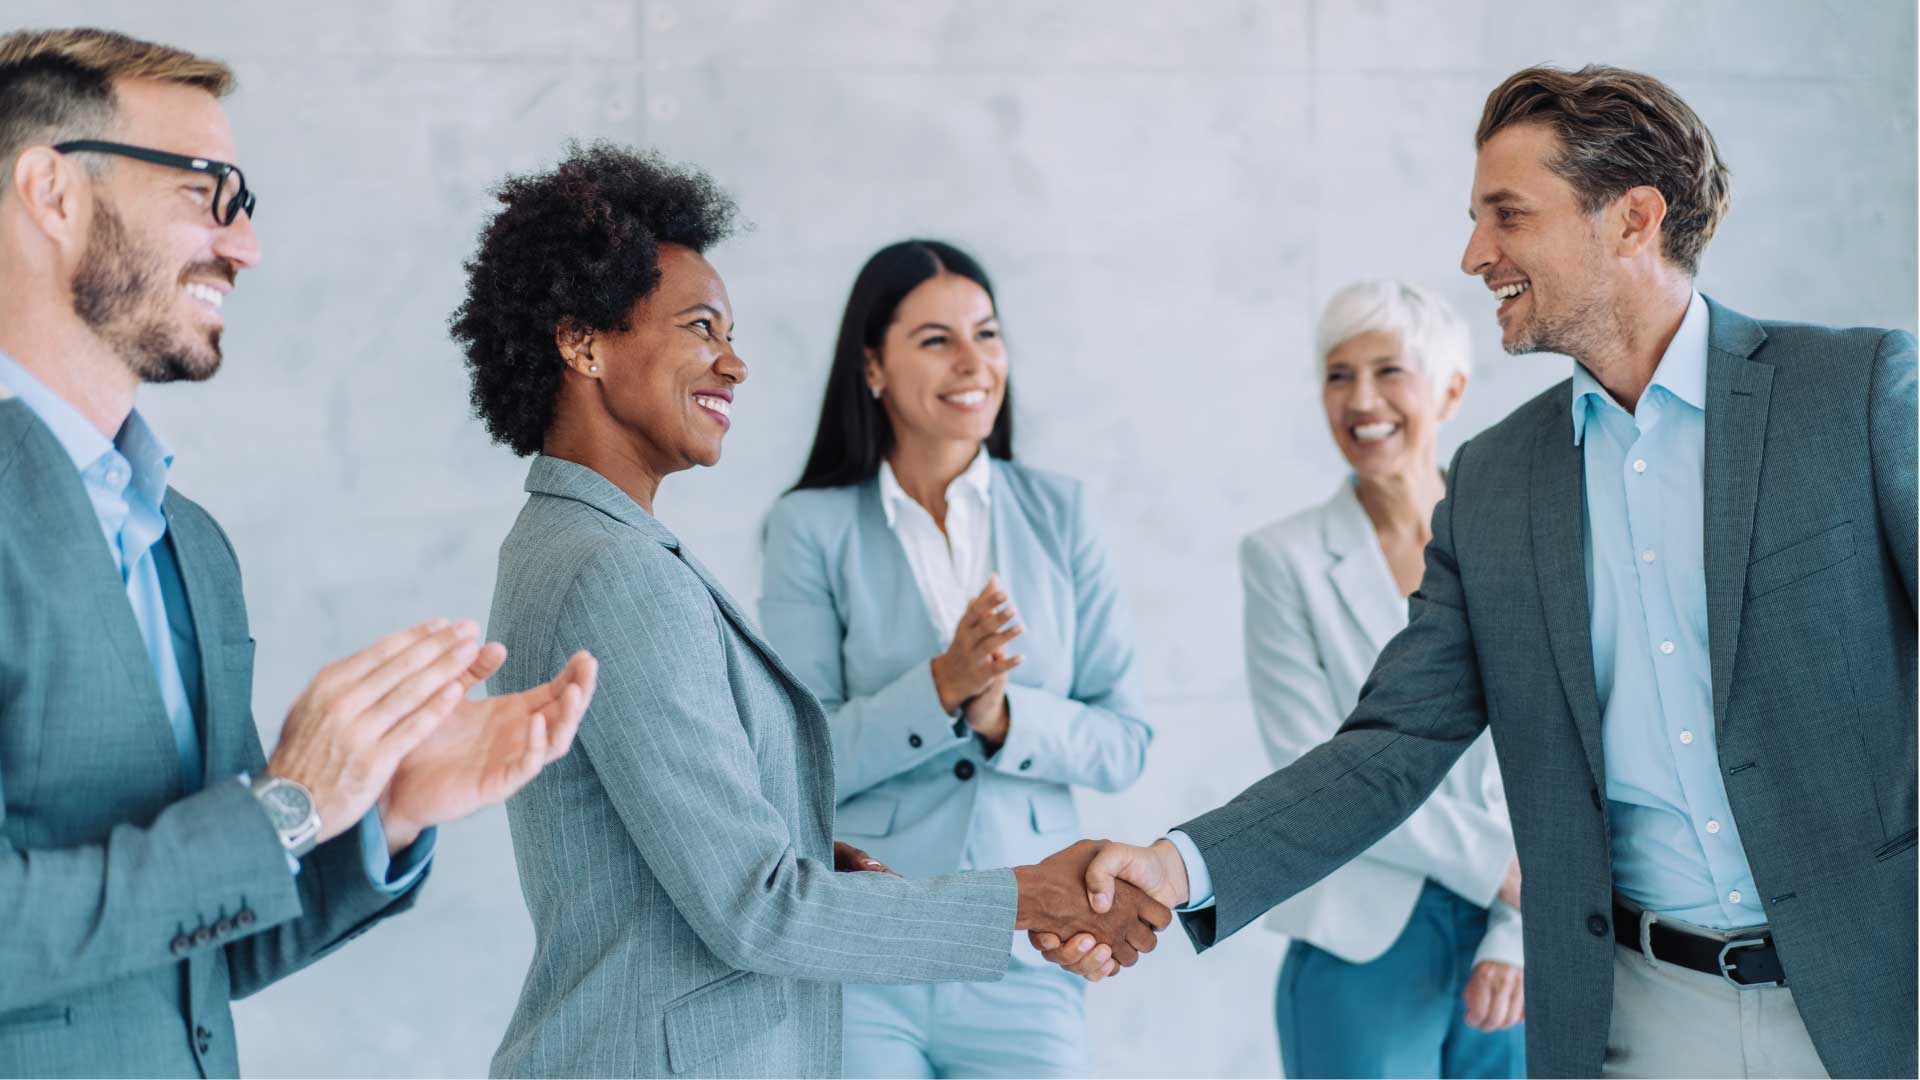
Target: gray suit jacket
column 1809, row 547
column 131, row 913
column 678, row 864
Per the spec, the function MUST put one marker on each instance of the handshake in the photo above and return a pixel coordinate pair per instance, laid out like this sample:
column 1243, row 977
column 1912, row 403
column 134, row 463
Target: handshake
column 1096, row 906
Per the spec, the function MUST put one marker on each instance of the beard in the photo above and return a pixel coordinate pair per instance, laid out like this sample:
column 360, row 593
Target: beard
column 1587, row 323
column 121, row 292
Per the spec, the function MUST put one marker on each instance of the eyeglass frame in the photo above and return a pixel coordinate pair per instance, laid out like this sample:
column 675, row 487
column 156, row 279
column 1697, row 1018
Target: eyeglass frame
column 243, row 198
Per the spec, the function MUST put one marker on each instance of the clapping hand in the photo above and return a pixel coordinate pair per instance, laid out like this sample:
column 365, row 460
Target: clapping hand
column 977, row 657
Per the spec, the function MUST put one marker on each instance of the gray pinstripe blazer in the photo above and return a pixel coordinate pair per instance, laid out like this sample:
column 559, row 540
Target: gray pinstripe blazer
column 1809, row 548
column 678, row 864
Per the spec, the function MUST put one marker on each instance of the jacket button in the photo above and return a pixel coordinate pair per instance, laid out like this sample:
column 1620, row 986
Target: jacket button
column 1594, row 794
column 202, row 936
column 1597, row 925
column 201, row 1033
column 1026, row 764
column 181, row 943
column 963, row 769
column 913, row 741
column 245, row 918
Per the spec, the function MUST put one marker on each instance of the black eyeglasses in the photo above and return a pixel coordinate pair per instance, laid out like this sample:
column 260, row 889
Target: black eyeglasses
column 223, row 213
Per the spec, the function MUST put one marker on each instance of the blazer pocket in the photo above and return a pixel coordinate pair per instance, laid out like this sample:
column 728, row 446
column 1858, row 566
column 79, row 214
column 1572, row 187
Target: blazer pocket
column 1898, row 845
column 35, row 1017
column 723, row 1015
column 1053, row 812
column 866, row 815
column 1805, row 558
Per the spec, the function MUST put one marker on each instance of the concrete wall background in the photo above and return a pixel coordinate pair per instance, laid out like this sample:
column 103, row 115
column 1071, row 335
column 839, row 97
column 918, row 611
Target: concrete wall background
column 1165, row 193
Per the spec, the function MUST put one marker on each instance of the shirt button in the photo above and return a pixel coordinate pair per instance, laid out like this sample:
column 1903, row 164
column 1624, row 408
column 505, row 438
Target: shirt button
column 1713, row 827
column 1733, row 897
column 1686, row 738
column 1647, row 555
column 1666, row 647
column 1640, row 465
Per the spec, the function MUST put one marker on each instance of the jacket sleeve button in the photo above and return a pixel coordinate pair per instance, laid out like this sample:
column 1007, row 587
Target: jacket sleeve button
column 1026, row 764
column 181, row 943
column 245, row 918
column 202, row 936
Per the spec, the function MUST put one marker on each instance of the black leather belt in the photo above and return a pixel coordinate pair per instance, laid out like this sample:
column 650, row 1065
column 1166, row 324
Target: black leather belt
column 1742, row 961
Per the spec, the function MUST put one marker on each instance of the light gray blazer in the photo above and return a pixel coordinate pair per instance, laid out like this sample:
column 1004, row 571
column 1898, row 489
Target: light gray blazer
column 839, row 599
column 1321, row 604
column 678, row 864
column 1809, row 549
column 132, row 912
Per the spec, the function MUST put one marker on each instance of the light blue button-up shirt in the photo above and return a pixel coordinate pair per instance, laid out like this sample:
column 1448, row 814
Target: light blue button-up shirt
column 126, row 481
column 1676, row 850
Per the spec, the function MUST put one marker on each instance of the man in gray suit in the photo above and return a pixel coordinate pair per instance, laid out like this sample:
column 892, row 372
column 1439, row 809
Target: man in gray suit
column 154, row 863
column 1679, row 587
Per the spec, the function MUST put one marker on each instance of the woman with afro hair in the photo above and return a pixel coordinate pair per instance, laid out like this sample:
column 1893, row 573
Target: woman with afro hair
column 691, row 911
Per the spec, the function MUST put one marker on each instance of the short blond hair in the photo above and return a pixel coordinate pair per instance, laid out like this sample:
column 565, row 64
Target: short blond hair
column 57, row 85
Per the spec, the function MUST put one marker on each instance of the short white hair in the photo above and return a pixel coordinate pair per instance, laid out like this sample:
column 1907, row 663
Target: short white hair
column 1428, row 327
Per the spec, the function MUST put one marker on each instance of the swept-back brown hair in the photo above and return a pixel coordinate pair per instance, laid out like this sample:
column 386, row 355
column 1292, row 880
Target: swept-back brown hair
column 57, row 85
column 1620, row 129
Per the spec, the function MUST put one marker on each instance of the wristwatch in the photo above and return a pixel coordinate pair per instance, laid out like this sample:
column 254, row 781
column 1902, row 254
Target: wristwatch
column 290, row 807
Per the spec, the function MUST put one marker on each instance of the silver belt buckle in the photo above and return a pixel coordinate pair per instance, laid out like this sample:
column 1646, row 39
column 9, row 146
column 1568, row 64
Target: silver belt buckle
column 1727, row 969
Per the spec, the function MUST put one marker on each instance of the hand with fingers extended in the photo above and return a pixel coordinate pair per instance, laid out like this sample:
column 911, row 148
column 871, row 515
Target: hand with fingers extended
column 360, row 716
column 1053, row 901
column 848, row 859
column 487, row 749
column 1114, row 870
column 977, row 656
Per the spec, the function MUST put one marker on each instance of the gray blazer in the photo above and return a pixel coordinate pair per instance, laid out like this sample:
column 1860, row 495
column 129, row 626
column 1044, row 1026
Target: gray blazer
column 130, row 913
column 1809, row 548
column 678, row 864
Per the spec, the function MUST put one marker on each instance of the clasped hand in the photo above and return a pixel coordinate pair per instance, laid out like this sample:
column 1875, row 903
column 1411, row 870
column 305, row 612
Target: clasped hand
column 1055, row 905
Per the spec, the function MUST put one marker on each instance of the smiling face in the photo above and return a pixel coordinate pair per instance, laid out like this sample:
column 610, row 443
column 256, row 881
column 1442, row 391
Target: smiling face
column 669, row 380
column 1541, row 254
column 1382, row 408
column 157, row 267
column 942, row 368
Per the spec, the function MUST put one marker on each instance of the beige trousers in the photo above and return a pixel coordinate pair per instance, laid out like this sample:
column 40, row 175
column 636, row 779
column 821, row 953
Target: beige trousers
column 1674, row 1021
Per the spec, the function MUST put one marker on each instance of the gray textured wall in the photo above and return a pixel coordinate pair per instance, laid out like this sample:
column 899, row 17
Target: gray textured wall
column 1165, row 192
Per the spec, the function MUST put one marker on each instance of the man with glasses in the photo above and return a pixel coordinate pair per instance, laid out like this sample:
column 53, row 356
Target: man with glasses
column 154, row 862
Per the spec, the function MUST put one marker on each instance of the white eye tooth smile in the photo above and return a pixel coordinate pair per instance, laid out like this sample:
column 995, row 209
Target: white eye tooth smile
column 719, row 405
column 1508, row 292
column 1374, row 432
column 966, row 397
column 206, row 294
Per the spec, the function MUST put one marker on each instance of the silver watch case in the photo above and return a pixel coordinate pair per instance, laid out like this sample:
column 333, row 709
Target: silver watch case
column 289, row 806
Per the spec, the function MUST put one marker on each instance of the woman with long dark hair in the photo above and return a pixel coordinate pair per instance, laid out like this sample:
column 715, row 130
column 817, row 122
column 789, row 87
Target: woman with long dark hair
column 957, row 615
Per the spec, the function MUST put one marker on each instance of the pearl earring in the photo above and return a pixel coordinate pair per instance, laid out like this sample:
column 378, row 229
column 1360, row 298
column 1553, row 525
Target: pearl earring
column 875, row 391
column 593, row 369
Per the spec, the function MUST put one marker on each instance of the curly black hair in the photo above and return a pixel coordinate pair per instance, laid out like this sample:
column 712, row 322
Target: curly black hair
column 577, row 244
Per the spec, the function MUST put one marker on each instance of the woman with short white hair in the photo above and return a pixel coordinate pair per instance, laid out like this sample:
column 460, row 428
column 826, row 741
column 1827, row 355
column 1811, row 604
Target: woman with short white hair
column 1406, row 961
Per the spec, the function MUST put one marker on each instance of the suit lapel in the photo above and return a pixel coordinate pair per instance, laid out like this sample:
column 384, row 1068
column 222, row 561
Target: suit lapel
column 1739, row 392
column 1360, row 573
column 222, row 737
column 891, row 576
column 51, row 494
column 1558, row 509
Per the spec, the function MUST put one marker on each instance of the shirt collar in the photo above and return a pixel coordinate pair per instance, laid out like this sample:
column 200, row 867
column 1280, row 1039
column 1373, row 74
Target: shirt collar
column 1682, row 371
column 149, row 456
column 977, row 480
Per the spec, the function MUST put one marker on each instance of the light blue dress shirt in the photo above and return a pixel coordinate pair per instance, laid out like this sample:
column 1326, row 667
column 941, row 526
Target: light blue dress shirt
column 1676, row 850
column 126, row 480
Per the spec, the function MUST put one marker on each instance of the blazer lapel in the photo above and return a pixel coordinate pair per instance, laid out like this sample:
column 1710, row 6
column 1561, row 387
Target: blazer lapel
column 223, row 738
column 51, row 494
column 1558, row 509
column 891, row 577
column 1739, row 391
column 1360, row 573
column 1033, row 578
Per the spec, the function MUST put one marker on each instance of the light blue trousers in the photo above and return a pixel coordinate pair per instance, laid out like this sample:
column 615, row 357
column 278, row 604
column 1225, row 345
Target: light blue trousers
column 1031, row 1023
column 1402, row 1014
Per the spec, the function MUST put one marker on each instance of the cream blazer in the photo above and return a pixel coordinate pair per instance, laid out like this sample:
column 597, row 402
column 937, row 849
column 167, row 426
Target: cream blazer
column 1320, row 605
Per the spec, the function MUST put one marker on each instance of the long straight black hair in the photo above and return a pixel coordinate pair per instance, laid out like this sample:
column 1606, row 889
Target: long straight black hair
column 854, row 433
